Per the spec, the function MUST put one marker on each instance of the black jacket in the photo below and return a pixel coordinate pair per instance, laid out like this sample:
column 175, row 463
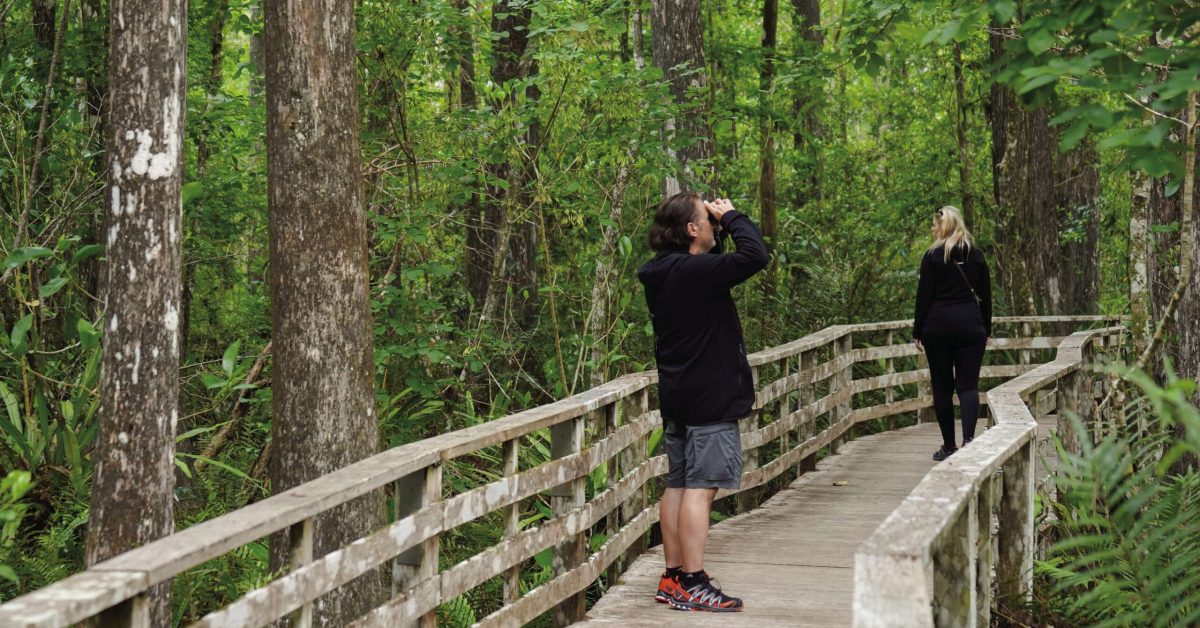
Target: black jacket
column 703, row 376
column 944, row 301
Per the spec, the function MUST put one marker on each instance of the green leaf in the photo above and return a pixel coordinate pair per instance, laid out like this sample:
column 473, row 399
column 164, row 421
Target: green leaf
column 25, row 254
column 218, row 464
column 580, row 27
column 189, row 191
column 1004, row 10
column 51, row 287
column 87, row 251
column 18, row 335
column 229, row 360
column 1039, row 41
column 87, row 334
column 1073, row 135
column 7, row 573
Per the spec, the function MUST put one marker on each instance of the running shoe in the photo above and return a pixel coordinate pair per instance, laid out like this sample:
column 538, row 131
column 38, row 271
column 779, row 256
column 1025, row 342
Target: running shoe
column 705, row 596
column 667, row 585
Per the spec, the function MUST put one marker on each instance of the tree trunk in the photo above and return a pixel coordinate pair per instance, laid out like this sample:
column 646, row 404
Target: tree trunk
column 1023, row 158
column 1077, row 183
column 1139, row 248
column 806, row 125
column 511, row 61
column 258, row 65
column 678, row 44
column 766, row 175
column 133, row 490
column 323, row 370
column 960, row 135
column 44, row 23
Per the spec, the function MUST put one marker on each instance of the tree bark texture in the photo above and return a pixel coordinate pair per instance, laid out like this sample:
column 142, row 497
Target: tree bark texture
column 806, row 19
column 511, row 61
column 44, row 23
column 678, row 50
column 323, row 371
column 1023, row 159
column 960, row 136
column 1077, row 185
column 132, row 492
column 766, row 175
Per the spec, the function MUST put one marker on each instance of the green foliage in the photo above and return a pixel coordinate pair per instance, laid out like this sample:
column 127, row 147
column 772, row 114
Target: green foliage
column 1129, row 540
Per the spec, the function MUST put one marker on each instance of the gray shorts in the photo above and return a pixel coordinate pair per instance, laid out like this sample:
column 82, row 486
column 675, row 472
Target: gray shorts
column 703, row 456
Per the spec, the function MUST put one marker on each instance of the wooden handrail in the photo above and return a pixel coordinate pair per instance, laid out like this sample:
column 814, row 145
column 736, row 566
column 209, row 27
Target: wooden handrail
column 788, row 412
column 930, row 562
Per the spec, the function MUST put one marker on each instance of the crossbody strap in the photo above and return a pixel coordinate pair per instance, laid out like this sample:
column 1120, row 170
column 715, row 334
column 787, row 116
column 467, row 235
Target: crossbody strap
column 958, row 265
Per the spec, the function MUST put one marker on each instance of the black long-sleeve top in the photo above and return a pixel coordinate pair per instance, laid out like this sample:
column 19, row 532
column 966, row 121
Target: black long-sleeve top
column 703, row 375
column 944, row 300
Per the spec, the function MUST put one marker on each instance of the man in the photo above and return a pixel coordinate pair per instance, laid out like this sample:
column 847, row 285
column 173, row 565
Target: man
column 704, row 381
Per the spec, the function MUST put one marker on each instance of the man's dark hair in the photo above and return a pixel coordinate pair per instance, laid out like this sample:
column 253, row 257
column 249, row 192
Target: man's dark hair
column 669, row 231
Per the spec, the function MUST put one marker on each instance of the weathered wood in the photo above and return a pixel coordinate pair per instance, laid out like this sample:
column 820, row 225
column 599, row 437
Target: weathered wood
column 984, row 551
column 74, row 599
column 566, row 439
column 748, row 498
column 512, row 521
column 1014, row 567
column 623, row 449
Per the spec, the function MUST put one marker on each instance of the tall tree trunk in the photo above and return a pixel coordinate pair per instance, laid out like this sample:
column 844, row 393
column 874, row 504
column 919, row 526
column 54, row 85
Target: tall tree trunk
column 806, row 125
column 678, row 44
column 596, row 323
column 1139, row 248
column 511, row 61
column 766, row 175
column 1023, row 157
column 1077, row 182
column 133, row 490
column 95, row 88
column 43, row 23
column 258, row 65
column 961, row 112
column 323, row 371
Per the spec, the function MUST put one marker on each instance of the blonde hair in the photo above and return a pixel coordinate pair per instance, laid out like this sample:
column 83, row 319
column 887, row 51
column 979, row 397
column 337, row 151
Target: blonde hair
column 951, row 231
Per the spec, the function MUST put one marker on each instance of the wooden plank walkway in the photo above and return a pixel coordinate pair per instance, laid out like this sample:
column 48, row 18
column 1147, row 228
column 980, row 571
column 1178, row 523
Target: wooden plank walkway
column 792, row 559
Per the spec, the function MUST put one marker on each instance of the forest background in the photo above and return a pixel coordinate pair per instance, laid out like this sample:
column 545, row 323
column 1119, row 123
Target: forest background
column 512, row 154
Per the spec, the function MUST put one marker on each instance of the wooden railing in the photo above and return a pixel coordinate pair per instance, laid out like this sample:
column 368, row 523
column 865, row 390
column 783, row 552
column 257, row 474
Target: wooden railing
column 967, row 530
column 810, row 395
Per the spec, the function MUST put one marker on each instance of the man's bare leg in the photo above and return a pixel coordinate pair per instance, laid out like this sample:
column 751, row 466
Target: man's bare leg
column 693, row 526
column 668, row 521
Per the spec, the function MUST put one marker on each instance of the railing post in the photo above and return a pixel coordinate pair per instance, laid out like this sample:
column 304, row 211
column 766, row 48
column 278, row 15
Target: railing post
column 632, row 409
column 512, row 520
column 613, row 471
column 925, row 414
column 1014, row 569
column 1024, row 354
column 984, row 551
column 782, row 410
column 413, row 492
column 1068, row 403
column 841, row 383
column 300, row 553
column 954, row 566
column 808, row 360
column 566, row 439
column 889, row 391
column 748, row 497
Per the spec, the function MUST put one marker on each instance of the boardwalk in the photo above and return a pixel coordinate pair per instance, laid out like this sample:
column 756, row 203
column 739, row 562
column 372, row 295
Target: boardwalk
column 792, row 559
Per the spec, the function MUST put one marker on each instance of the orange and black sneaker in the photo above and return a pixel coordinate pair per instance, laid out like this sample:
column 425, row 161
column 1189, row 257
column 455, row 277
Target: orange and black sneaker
column 705, row 596
column 667, row 585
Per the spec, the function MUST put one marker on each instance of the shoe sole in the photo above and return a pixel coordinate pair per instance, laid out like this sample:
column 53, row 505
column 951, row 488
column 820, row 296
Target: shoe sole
column 684, row 606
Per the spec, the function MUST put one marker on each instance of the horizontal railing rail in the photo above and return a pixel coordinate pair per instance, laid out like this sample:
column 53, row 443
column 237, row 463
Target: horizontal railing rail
column 965, row 534
column 599, row 480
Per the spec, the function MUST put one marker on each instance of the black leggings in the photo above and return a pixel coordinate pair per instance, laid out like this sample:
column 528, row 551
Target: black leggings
column 954, row 362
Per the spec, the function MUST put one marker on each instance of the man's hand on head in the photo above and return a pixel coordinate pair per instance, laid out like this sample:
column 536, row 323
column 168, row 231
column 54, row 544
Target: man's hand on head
column 717, row 208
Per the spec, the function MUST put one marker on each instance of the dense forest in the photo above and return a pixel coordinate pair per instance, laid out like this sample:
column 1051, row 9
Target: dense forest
column 231, row 224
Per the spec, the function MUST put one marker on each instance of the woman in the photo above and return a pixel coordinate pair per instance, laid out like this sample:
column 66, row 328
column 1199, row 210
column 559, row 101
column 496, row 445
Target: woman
column 953, row 323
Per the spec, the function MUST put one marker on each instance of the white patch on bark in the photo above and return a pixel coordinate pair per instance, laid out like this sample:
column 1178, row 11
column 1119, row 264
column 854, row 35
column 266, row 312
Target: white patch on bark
column 137, row 362
column 112, row 233
column 123, row 438
column 112, row 323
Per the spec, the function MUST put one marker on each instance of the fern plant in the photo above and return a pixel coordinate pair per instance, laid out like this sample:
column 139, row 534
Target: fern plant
column 1130, row 532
